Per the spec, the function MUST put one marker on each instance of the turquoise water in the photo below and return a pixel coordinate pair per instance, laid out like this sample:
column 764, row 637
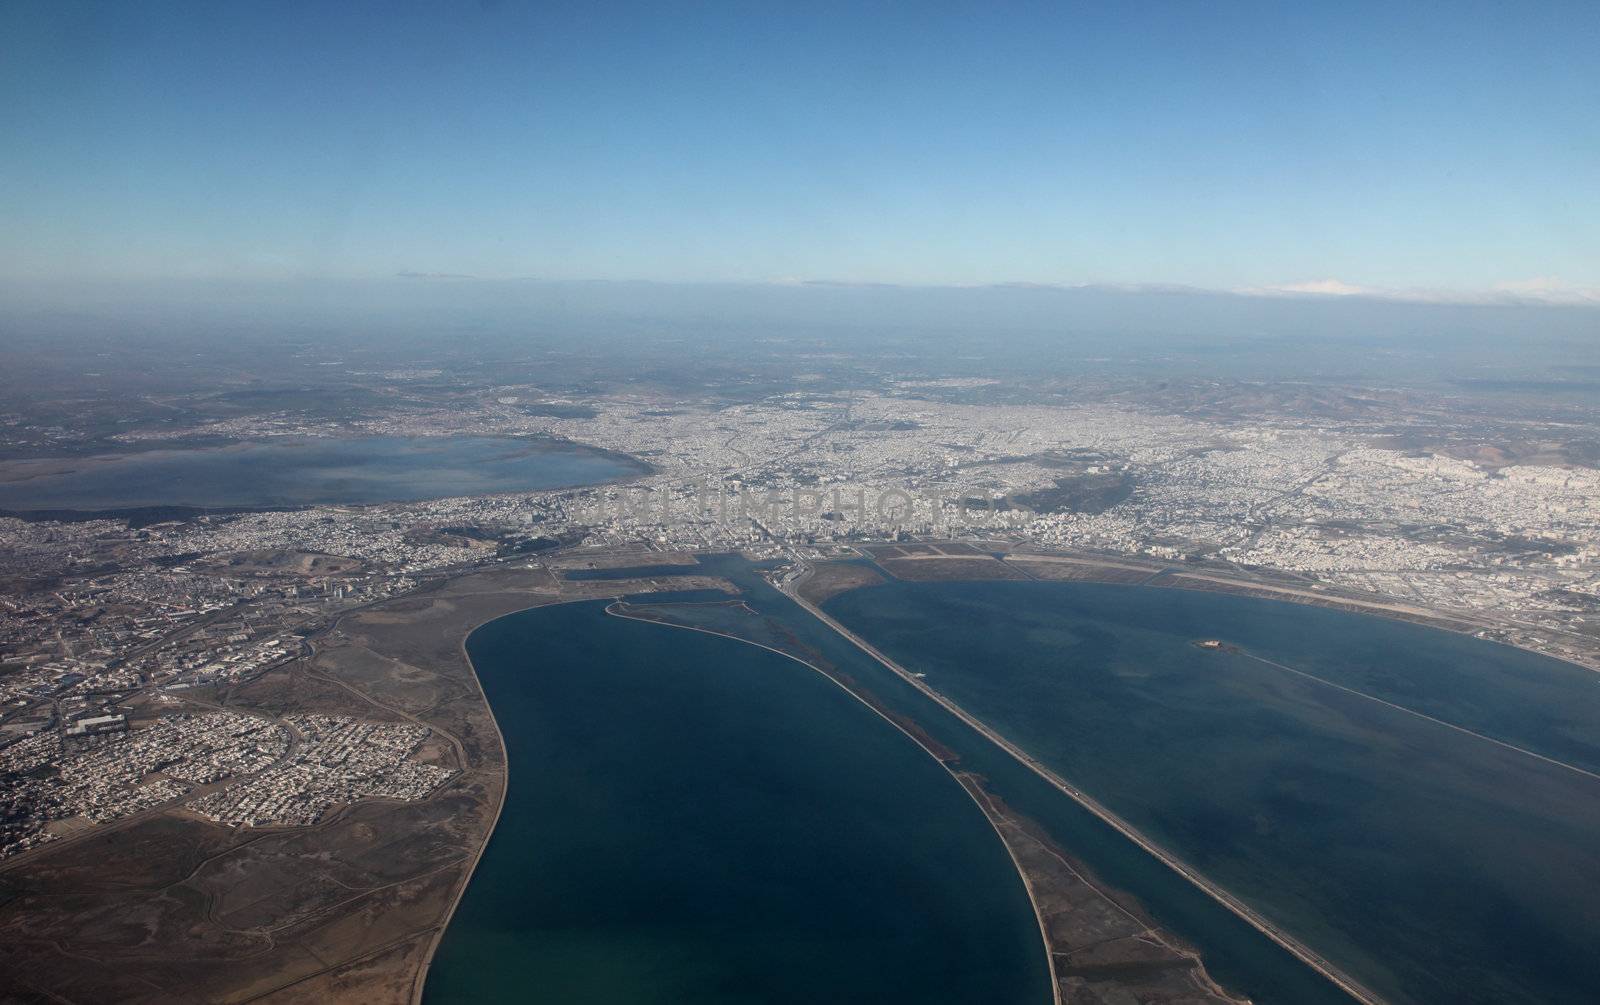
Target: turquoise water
column 1434, row 866
column 693, row 820
column 360, row 470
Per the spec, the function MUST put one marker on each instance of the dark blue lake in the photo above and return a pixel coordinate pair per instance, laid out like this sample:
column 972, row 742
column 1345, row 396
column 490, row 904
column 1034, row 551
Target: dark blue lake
column 691, row 819
column 304, row 472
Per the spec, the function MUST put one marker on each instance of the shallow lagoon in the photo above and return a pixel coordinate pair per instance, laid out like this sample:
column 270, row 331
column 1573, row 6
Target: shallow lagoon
column 303, row 472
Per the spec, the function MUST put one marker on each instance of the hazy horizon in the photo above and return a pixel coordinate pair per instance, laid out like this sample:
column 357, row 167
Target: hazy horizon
column 1432, row 152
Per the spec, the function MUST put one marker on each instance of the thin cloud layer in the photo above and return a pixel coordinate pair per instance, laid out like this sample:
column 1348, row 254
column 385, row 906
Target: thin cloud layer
column 1550, row 290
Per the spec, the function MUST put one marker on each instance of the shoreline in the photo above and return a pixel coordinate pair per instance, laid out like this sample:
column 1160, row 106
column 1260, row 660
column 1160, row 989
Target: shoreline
column 421, row 979
column 1166, row 576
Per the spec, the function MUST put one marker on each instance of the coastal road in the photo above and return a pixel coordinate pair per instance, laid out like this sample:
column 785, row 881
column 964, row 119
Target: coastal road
column 790, row 587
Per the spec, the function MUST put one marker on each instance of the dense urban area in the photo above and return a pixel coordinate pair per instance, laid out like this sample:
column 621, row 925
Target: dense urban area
column 111, row 624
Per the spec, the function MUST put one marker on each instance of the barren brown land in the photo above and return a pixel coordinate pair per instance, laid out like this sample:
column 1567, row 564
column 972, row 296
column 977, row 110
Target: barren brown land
column 941, row 561
column 834, row 578
column 1104, row 950
column 617, row 559
column 293, row 563
column 167, row 906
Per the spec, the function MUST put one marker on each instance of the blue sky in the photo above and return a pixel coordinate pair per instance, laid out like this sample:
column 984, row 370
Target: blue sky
column 1382, row 147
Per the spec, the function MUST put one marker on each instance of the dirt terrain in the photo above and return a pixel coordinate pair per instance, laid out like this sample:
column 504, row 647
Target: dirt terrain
column 833, row 578
column 278, row 563
column 165, row 906
column 934, row 562
column 617, row 559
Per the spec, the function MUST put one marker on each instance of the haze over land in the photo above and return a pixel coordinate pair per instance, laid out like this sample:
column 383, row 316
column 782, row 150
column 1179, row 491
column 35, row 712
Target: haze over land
column 1058, row 504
